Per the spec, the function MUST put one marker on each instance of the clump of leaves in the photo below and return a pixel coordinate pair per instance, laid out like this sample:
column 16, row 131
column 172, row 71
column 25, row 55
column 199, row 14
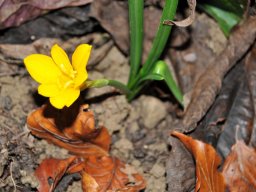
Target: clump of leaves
column 74, row 129
column 238, row 173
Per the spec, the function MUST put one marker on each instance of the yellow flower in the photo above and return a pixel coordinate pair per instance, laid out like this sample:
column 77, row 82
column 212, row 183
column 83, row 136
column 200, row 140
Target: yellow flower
column 58, row 79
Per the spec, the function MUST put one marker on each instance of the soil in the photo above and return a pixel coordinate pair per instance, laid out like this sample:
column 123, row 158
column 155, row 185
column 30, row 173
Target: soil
column 139, row 129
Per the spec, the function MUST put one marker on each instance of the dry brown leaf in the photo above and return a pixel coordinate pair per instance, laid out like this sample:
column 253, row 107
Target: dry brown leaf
column 189, row 20
column 50, row 171
column 111, row 174
column 239, row 169
column 209, row 83
column 14, row 13
column 88, row 183
column 207, row 162
column 71, row 128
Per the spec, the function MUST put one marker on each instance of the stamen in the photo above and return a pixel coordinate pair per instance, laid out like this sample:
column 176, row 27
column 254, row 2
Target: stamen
column 70, row 73
column 68, row 84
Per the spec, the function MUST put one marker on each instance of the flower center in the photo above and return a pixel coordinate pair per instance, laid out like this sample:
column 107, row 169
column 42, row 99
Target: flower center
column 69, row 72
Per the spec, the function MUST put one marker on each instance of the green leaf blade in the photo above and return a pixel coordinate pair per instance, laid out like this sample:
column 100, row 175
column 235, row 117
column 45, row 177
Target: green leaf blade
column 136, row 36
column 161, row 71
column 226, row 20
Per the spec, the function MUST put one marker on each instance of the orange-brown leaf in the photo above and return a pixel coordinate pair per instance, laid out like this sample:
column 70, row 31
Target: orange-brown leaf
column 88, row 183
column 239, row 168
column 71, row 128
column 50, row 171
column 207, row 162
column 113, row 175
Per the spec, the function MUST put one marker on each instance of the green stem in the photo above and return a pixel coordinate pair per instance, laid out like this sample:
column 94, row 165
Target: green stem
column 122, row 87
column 136, row 36
column 98, row 83
column 158, row 46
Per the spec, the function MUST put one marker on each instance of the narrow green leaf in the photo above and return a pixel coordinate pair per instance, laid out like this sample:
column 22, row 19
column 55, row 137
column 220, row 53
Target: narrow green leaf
column 136, row 36
column 226, row 20
column 161, row 71
column 234, row 6
column 156, row 77
column 162, row 36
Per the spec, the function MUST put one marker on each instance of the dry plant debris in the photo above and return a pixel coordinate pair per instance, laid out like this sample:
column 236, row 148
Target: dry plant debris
column 239, row 168
column 14, row 13
column 189, row 20
column 207, row 162
column 209, row 84
column 74, row 129
column 238, row 174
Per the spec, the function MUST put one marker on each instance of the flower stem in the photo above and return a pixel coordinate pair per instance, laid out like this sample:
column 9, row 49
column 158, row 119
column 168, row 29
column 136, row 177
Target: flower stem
column 122, row 87
column 98, row 83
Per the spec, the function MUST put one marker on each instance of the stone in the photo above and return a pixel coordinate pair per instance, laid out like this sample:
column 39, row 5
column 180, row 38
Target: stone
column 157, row 170
column 153, row 111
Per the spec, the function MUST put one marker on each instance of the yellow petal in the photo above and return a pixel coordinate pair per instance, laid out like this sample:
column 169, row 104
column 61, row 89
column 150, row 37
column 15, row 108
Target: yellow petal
column 79, row 61
column 61, row 59
column 65, row 98
column 42, row 68
column 49, row 90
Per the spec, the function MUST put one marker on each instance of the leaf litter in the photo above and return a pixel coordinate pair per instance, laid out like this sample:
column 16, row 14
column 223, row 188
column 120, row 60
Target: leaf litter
column 217, row 122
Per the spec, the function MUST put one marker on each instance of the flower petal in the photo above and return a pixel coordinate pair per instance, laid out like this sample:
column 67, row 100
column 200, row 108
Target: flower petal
column 42, row 68
column 79, row 61
column 61, row 59
column 49, row 90
column 65, row 98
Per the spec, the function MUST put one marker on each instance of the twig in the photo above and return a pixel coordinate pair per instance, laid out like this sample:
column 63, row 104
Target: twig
column 14, row 184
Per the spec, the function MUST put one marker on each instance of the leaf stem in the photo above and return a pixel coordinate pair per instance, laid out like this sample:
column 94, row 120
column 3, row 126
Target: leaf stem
column 158, row 46
column 136, row 36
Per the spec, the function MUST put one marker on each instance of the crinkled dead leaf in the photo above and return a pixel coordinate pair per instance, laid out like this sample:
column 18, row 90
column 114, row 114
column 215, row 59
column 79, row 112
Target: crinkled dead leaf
column 14, row 13
column 51, row 171
column 207, row 162
column 88, row 183
column 189, row 20
column 71, row 128
column 111, row 174
column 239, row 169
column 209, row 83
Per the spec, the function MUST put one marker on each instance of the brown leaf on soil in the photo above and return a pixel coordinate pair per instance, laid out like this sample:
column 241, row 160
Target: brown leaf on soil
column 209, row 84
column 50, row 171
column 88, row 183
column 180, row 168
column 111, row 174
column 189, row 20
column 71, row 128
column 207, row 162
column 239, row 169
column 14, row 13
column 118, row 27
column 250, row 68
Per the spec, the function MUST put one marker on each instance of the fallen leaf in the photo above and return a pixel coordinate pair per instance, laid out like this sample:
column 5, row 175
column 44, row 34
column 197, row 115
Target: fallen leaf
column 111, row 174
column 50, row 171
column 180, row 168
column 88, row 183
column 250, row 68
column 210, row 82
column 14, row 13
column 72, row 128
column 189, row 20
column 118, row 27
column 207, row 162
column 239, row 169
